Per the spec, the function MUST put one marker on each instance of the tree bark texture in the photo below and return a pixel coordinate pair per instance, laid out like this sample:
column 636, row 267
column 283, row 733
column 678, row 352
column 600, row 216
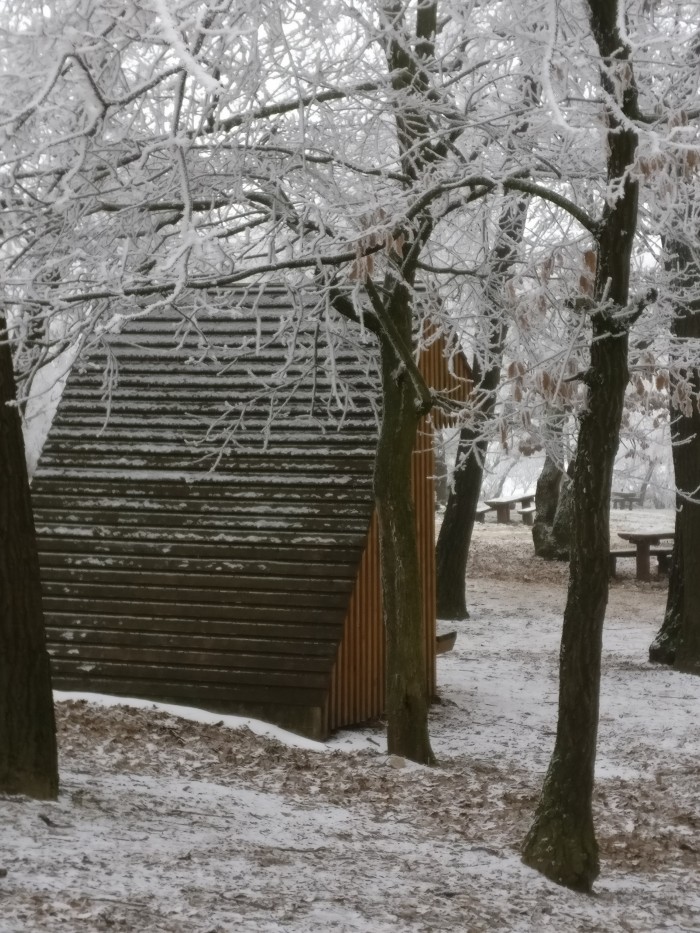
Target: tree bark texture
column 561, row 842
column 454, row 538
column 407, row 700
column 28, row 760
column 665, row 645
column 685, row 433
column 678, row 641
column 552, row 526
column 452, row 549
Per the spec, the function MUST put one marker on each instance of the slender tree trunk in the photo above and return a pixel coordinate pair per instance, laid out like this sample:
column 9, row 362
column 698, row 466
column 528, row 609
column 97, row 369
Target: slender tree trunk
column 407, row 700
column 548, row 494
column 452, row 549
column 28, row 762
column 561, row 842
column 665, row 645
column 678, row 641
column 686, row 461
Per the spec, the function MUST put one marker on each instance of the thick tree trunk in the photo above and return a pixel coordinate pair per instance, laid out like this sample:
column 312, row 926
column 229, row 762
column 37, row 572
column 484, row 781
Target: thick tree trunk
column 561, row 842
column 28, row 762
column 407, row 699
column 452, row 549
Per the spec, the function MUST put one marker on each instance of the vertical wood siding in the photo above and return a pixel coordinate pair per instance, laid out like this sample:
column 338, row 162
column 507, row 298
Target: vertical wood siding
column 357, row 683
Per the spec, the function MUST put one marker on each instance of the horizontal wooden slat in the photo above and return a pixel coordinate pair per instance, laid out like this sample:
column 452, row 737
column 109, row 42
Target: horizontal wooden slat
column 161, row 520
column 168, row 539
column 223, row 550
column 208, row 487
column 278, row 505
column 181, row 561
column 184, row 593
column 227, row 583
column 56, row 562
column 149, row 609
column 287, row 630
column 191, row 656
column 265, row 650
column 197, row 692
column 200, row 674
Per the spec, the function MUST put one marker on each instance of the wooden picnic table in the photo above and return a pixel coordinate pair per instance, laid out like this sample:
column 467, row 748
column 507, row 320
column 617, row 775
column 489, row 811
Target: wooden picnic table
column 503, row 506
column 644, row 541
column 625, row 500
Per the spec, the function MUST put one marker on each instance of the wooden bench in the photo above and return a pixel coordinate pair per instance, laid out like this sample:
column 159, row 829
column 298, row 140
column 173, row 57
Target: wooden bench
column 626, row 500
column 527, row 513
column 662, row 554
column 481, row 510
column 445, row 642
column 503, row 506
column 612, row 567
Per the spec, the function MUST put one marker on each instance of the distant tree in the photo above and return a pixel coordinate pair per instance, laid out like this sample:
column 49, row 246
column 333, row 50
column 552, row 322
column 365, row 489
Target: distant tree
column 452, row 550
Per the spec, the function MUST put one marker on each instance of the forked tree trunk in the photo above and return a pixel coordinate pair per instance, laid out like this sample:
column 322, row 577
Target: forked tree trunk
column 28, row 762
column 407, row 700
column 561, row 842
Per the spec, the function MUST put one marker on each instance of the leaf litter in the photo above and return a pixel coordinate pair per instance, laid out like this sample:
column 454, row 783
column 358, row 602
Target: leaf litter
column 165, row 824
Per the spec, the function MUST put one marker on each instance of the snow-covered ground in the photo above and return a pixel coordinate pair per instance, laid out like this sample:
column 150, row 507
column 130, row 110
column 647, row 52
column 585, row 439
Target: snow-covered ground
column 181, row 826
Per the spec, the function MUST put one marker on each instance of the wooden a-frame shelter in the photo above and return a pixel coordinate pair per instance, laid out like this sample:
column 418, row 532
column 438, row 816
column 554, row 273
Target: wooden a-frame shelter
column 205, row 521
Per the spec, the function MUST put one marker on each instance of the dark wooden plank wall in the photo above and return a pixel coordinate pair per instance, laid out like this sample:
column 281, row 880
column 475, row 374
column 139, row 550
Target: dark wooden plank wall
column 228, row 588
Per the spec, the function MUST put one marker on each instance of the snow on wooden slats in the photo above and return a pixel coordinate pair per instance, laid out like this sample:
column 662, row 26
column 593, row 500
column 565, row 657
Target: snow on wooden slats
column 176, row 567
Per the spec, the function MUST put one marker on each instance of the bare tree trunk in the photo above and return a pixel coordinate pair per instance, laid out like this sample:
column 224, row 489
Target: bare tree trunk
column 678, row 640
column 686, row 458
column 548, row 499
column 665, row 645
column 452, row 549
column 561, row 842
column 407, row 699
column 28, row 762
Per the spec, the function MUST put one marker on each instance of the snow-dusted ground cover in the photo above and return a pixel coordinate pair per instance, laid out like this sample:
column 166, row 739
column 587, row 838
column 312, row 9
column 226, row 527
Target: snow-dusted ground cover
column 168, row 824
